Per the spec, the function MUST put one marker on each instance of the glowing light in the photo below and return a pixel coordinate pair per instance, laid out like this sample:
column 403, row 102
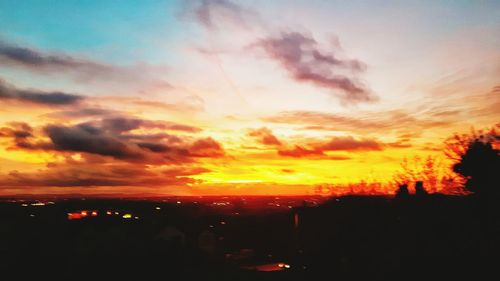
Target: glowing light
column 38, row 204
column 283, row 265
column 127, row 216
column 24, row 205
column 109, row 213
column 158, row 208
column 94, row 213
column 75, row 216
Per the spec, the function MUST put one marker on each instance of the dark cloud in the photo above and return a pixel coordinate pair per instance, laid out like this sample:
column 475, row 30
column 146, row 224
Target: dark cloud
column 35, row 60
column 108, row 174
column 111, row 138
column 139, row 76
column 10, row 53
column 82, row 113
column 171, row 139
column 108, row 141
column 89, row 139
column 265, row 136
column 10, row 93
column 124, row 124
column 154, row 147
column 120, row 122
column 20, row 132
column 16, row 130
column 300, row 56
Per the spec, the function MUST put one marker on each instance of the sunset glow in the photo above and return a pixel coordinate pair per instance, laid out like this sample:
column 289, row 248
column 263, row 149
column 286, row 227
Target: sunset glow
column 219, row 97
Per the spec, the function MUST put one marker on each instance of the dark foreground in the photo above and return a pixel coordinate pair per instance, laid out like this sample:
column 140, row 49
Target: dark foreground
column 348, row 238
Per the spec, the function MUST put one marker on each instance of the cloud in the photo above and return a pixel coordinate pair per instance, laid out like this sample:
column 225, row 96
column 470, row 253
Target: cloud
column 265, row 136
column 20, row 132
column 211, row 13
column 113, row 138
column 362, row 122
column 315, row 120
column 320, row 149
column 300, row 55
column 123, row 124
column 206, row 147
column 17, row 130
column 350, row 144
column 10, row 93
column 153, row 137
column 400, row 144
column 32, row 59
column 82, row 113
column 13, row 54
column 299, row 152
column 108, row 174
column 89, row 139
column 136, row 77
column 108, row 141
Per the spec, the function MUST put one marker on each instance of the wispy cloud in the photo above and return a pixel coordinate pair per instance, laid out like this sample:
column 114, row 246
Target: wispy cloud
column 29, row 58
column 265, row 136
column 33, row 96
column 362, row 122
column 319, row 149
column 300, row 55
column 212, row 13
column 141, row 76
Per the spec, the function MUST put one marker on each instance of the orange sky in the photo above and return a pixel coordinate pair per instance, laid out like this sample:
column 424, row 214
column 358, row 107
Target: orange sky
column 226, row 98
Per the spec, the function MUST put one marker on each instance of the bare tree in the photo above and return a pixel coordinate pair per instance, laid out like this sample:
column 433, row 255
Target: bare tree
column 431, row 171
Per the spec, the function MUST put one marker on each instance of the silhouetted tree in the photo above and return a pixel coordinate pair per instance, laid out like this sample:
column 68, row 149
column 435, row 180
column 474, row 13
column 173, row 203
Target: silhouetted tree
column 431, row 171
column 477, row 160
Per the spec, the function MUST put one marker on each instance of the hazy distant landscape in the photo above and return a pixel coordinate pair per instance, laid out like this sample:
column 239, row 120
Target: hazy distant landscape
column 263, row 238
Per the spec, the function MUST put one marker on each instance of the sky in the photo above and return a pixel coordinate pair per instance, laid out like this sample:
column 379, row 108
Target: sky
column 237, row 97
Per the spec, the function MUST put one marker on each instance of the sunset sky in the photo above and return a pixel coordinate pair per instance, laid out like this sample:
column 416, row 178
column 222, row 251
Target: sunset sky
column 236, row 97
